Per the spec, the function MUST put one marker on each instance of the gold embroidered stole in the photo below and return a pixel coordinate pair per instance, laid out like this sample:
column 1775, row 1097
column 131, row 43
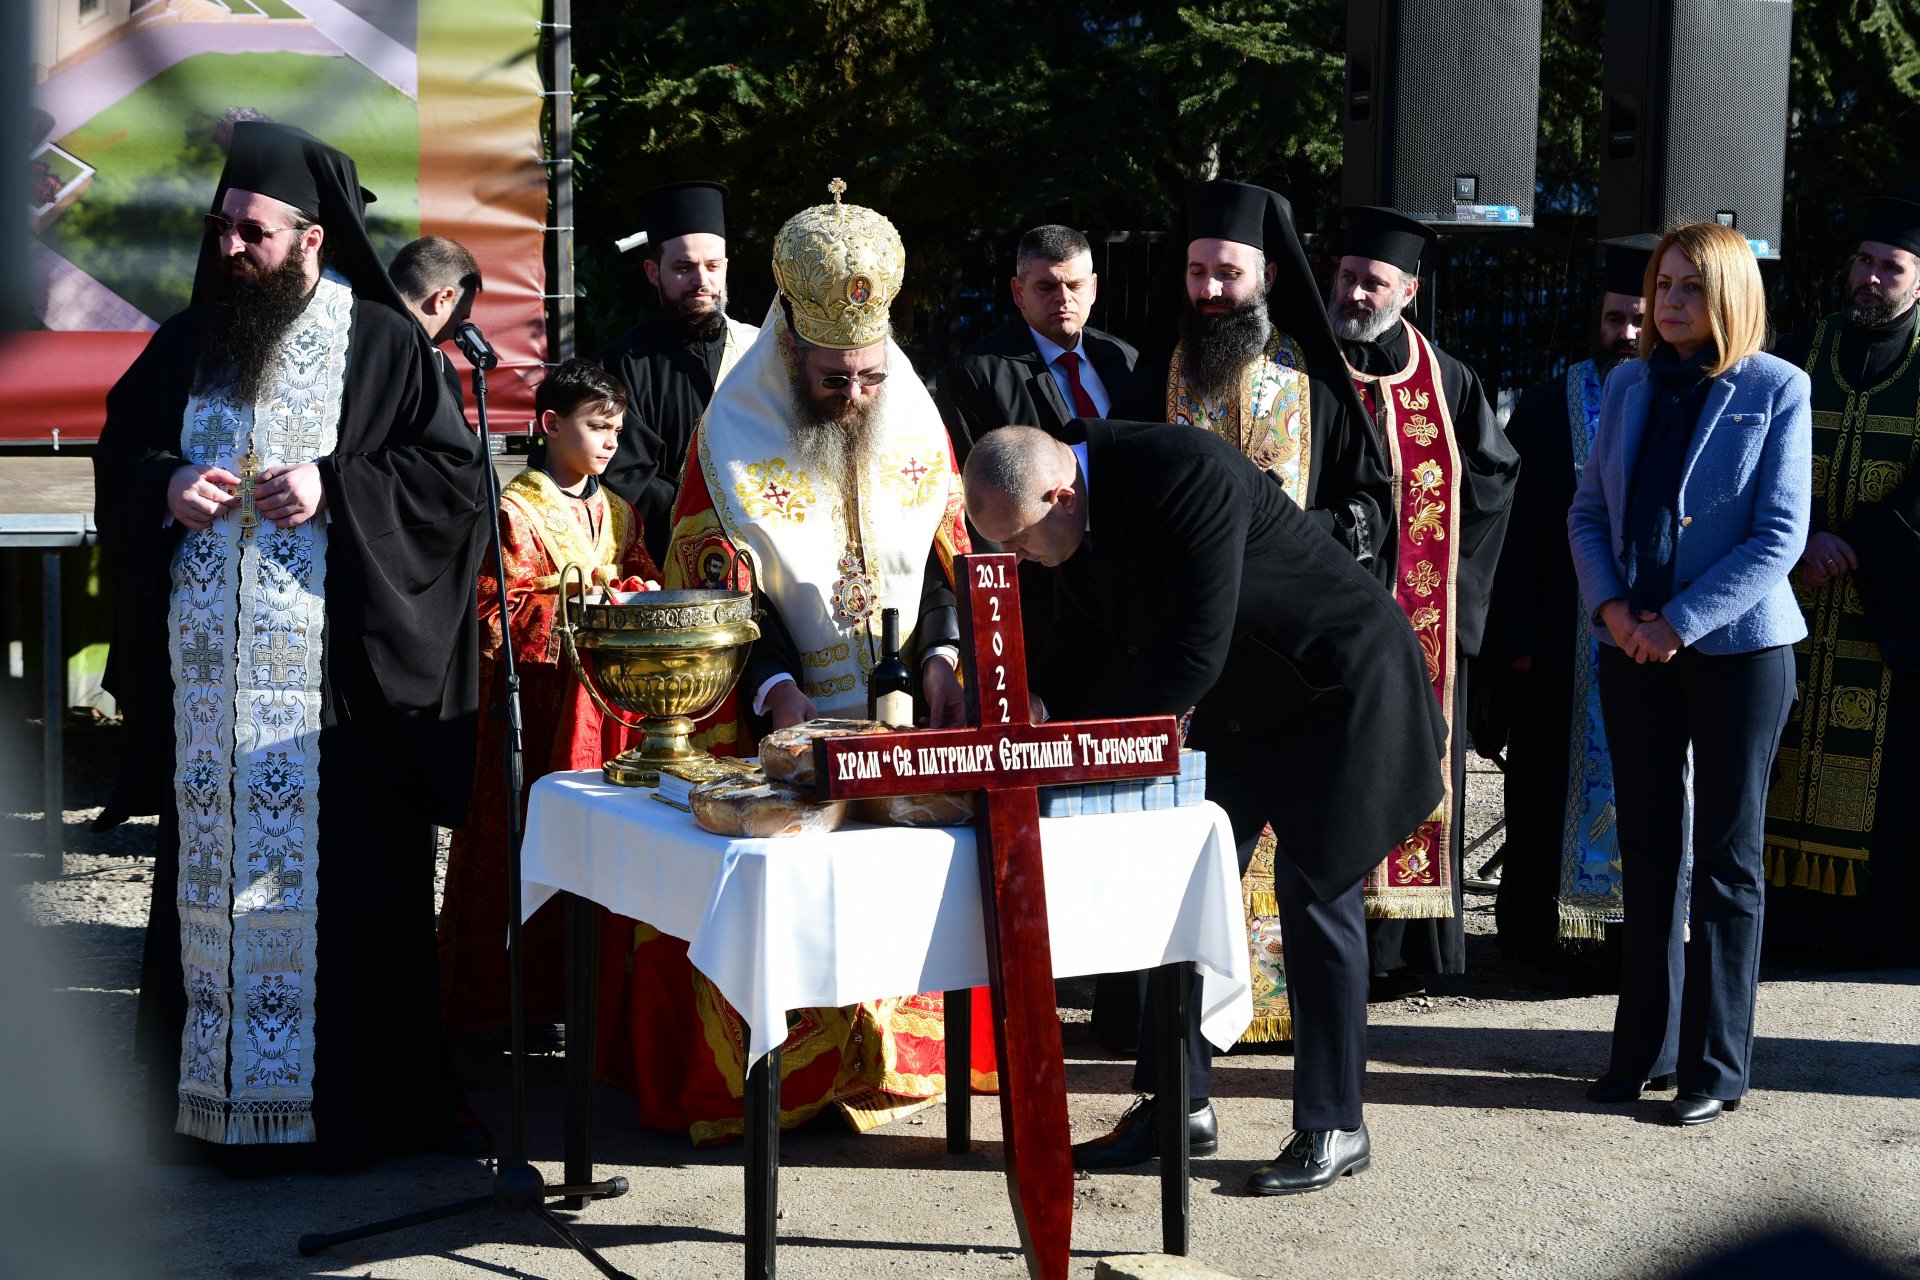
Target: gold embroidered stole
column 550, row 514
column 1820, row 813
column 1269, row 419
column 1416, row 880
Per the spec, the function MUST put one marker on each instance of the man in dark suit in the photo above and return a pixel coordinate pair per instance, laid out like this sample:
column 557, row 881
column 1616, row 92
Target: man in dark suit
column 439, row 281
column 1044, row 367
column 1187, row 579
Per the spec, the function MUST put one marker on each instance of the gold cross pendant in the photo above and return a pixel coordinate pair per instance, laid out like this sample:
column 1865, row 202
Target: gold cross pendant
column 249, row 476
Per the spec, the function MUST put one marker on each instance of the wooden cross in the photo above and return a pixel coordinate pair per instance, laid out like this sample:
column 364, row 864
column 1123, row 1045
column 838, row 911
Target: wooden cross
column 1007, row 758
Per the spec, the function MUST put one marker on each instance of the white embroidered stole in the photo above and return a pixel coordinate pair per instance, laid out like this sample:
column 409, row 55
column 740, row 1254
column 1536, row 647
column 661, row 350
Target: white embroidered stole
column 246, row 623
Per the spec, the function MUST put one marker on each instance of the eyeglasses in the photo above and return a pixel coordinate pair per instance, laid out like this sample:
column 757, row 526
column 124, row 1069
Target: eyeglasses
column 841, row 381
column 249, row 232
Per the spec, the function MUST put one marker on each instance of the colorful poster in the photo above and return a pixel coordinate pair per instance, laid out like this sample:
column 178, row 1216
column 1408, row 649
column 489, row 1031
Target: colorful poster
column 438, row 101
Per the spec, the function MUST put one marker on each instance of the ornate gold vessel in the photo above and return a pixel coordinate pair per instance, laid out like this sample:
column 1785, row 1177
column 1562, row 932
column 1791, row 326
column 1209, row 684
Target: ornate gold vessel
column 670, row 656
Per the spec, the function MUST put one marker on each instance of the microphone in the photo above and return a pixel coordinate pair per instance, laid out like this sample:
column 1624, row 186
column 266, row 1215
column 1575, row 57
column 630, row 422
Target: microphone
column 474, row 346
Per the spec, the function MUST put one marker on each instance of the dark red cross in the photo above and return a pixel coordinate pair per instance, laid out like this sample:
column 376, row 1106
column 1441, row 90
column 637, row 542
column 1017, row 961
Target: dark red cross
column 1007, row 758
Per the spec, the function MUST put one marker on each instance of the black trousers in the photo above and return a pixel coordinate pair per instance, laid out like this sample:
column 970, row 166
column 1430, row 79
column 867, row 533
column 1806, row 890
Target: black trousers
column 1690, row 968
column 1326, row 958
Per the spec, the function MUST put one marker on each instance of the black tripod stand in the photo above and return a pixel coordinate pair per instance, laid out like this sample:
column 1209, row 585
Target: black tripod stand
column 517, row 1185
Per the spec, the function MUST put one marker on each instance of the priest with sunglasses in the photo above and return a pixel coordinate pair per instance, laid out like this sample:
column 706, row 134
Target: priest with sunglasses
column 291, row 507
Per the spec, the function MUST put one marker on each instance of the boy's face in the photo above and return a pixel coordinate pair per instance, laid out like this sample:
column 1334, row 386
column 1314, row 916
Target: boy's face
column 585, row 439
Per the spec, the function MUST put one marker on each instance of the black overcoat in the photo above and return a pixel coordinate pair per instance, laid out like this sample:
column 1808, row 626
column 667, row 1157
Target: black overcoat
column 1201, row 585
column 1001, row 380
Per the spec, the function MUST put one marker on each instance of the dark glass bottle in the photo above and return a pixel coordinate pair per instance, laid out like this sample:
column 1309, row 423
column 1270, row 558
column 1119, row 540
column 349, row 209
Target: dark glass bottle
column 891, row 688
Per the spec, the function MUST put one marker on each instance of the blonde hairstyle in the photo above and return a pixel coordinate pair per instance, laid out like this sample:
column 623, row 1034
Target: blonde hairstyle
column 1730, row 280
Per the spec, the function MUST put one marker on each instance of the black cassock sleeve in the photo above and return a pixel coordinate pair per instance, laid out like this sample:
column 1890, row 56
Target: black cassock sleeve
column 1348, row 487
column 406, row 500
column 1886, row 536
column 138, row 451
column 646, row 468
column 1490, row 467
column 961, row 397
column 1516, row 579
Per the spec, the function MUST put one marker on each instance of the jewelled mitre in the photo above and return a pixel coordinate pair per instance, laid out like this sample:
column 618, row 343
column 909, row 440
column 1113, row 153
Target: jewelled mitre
column 838, row 267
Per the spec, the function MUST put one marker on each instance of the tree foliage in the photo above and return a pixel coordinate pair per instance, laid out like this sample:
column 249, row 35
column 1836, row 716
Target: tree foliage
column 966, row 121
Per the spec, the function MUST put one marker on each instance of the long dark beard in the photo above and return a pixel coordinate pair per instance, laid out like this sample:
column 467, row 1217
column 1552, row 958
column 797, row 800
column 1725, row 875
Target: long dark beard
column 1215, row 350
column 1606, row 358
column 697, row 323
column 241, row 333
column 842, row 448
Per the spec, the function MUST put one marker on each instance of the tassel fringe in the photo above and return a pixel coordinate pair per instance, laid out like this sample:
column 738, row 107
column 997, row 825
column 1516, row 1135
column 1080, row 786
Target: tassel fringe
column 1411, row 904
column 1583, row 924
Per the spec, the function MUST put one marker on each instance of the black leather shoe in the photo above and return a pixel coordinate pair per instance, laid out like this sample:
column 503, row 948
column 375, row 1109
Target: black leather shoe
column 1612, row 1089
column 1400, row 984
column 1697, row 1108
column 1313, row 1161
column 1136, row 1139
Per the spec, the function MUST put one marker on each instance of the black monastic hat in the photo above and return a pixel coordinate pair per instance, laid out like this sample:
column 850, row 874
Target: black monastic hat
column 1894, row 219
column 1261, row 218
column 1623, row 263
column 292, row 165
column 684, row 209
column 1385, row 235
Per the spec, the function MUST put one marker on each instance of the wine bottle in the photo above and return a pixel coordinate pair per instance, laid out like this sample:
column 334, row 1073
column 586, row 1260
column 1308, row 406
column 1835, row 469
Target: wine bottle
column 891, row 688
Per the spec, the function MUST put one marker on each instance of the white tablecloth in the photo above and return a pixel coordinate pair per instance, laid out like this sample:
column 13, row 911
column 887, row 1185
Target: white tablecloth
column 868, row 912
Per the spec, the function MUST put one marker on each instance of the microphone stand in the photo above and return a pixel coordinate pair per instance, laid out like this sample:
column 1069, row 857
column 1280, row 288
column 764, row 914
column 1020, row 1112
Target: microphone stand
column 517, row 1185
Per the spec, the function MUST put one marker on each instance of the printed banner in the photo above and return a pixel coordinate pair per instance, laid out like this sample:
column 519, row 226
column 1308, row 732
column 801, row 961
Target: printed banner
column 437, row 101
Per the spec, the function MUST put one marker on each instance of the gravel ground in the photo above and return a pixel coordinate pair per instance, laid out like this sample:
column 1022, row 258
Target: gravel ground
column 1489, row 1161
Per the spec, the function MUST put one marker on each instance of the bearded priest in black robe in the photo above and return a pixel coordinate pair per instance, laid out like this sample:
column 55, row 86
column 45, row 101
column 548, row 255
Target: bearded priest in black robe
column 1453, row 476
column 1843, row 823
column 671, row 361
column 291, row 507
column 1560, row 883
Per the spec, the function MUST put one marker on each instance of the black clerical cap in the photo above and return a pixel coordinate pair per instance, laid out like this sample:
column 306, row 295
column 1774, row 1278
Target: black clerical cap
column 291, row 165
column 1385, row 235
column 1894, row 219
column 1623, row 263
column 1223, row 210
column 684, row 209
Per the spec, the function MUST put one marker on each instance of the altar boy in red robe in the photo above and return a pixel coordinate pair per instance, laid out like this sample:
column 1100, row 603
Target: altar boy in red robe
column 553, row 514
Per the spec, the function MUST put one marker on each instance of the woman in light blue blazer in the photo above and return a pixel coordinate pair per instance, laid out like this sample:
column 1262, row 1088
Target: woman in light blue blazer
column 1689, row 516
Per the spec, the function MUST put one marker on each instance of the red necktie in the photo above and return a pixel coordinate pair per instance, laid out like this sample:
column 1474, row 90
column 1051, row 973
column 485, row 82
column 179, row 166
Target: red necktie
column 1083, row 406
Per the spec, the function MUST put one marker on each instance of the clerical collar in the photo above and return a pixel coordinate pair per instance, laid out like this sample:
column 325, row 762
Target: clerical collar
column 587, row 490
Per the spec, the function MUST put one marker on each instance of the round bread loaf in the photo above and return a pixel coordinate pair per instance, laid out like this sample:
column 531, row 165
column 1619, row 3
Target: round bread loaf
column 787, row 754
column 752, row 806
column 940, row 809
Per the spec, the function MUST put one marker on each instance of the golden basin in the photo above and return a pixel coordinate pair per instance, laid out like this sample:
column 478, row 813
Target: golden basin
column 669, row 656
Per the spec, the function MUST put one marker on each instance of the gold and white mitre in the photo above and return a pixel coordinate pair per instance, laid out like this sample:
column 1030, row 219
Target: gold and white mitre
column 839, row 267
column 831, row 561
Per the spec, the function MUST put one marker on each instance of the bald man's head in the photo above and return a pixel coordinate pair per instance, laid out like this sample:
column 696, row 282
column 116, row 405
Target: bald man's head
column 1024, row 491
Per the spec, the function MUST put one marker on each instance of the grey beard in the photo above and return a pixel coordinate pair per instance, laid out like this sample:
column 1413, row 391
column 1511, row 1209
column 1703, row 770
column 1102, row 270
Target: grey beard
column 1216, row 350
column 1366, row 328
column 1876, row 314
column 842, row 449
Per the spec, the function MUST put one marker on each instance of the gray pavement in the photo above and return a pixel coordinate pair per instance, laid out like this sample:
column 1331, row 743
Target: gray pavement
column 1488, row 1159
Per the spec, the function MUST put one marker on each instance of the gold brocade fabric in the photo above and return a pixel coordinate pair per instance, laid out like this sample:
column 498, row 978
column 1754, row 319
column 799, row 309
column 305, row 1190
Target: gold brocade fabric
column 1270, row 420
column 1820, row 813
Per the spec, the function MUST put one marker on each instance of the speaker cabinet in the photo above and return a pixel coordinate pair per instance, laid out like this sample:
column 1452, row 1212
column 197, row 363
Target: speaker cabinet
column 1442, row 109
column 1695, row 96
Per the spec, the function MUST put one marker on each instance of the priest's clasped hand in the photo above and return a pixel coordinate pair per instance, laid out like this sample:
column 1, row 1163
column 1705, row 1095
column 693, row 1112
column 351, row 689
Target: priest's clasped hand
column 289, row 495
column 199, row 494
column 1827, row 557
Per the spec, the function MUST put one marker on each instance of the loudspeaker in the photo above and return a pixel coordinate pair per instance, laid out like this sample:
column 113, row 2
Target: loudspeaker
column 1696, row 116
column 1443, row 109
